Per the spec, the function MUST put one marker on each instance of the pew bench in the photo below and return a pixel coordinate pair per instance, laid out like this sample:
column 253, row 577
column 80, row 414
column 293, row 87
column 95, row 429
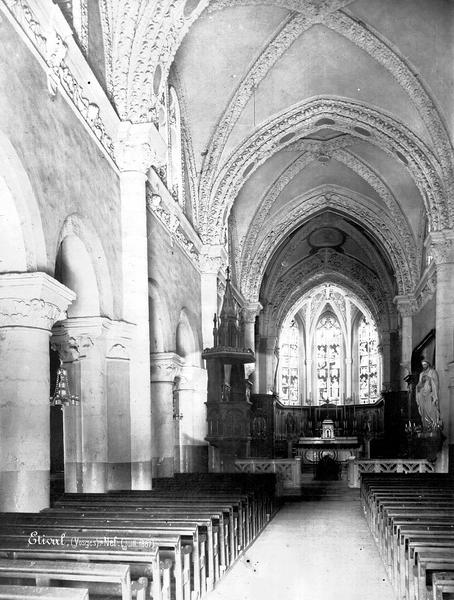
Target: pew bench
column 223, row 515
column 143, row 562
column 169, row 545
column 43, row 571
column 30, row 592
column 442, row 582
column 190, row 534
column 212, row 522
column 427, row 561
column 407, row 536
column 206, row 522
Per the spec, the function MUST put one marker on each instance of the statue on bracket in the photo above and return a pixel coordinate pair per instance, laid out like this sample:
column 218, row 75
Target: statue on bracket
column 427, row 397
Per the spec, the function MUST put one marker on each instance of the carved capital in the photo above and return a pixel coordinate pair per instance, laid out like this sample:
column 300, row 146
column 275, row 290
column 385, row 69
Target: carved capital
column 139, row 146
column 440, row 245
column 75, row 338
column 406, row 305
column 212, row 258
column 165, row 366
column 250, row 312
column 192, row 378
column 32, row 300
column 118, row 339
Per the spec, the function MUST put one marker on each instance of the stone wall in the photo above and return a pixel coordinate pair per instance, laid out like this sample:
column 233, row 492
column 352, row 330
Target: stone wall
column 68, row 172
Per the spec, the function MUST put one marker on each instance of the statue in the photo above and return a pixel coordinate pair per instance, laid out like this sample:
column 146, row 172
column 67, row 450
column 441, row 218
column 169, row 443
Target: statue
column 427, row 397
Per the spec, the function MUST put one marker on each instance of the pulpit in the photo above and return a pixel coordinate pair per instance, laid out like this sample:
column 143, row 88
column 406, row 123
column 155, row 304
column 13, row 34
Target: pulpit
column 228, row 398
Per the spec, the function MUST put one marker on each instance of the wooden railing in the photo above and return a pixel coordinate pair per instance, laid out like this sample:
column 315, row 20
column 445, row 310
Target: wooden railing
column 398, row 465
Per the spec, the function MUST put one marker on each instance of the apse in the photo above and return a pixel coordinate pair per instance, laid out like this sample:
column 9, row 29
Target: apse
column 329, row 350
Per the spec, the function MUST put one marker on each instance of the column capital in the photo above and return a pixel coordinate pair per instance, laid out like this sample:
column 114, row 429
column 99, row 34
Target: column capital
column 138, row 147
column 32, row 300
column 192, row 378
column 165, row 366
column 407, row 305
column 212, row 258
column 440, row 244
column 74, row 338
column 250, row 311
column 118, row 339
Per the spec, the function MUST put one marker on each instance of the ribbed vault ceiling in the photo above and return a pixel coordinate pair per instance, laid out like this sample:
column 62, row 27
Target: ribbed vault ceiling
column 299, row 113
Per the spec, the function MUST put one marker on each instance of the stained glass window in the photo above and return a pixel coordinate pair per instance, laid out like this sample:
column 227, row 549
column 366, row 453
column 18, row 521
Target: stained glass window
column 328, row 347
column 368, row 362
column 288, row 359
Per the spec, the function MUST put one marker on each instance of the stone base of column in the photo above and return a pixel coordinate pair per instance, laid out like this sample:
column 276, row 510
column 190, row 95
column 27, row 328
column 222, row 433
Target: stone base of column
column 163, row 466
column 194, row 459
column 86, row 478
column 119, row 476
column 24, row 491
column 141, row 474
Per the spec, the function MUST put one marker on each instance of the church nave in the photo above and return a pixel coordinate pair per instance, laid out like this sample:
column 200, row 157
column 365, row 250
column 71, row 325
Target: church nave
column 313, row 550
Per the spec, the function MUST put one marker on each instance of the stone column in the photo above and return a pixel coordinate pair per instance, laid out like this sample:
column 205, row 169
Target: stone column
column 406, row 305
column 250, row 313
column 30, row 303
column 165, row 367
column 385, row 352
column 139, row 147
column 441, row 247
column 271, row 363
column 192, row 420
column 211, row 260
column 81, row 344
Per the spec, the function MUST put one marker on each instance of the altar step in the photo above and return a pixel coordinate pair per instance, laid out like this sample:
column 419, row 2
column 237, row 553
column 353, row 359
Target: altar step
column 312, row 490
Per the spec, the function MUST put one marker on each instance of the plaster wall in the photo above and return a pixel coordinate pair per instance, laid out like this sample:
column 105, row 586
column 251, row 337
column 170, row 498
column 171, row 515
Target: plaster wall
column 67, row 171
column 424, row 321
column 225, row 43
column 408, row 24
column 178, row 445
column 176, row 278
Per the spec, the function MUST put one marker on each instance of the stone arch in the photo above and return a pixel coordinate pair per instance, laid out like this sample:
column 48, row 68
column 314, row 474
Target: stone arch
column 159, row 319
column 354, row 31
column 341, row 201
column 186, row 339
column 359, row 167
column 382, row 310
column 300, row 120
column 22, row 245
column 97, row 276
column 74, row 269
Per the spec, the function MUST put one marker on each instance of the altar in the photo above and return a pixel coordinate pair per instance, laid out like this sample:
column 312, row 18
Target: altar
column 340, row 449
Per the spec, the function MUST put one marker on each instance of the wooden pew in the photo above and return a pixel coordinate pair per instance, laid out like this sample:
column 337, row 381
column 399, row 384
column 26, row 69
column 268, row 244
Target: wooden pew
column 442, row 582
column 223, row 512
column 213, row 520
column 170, row 546
column 30, row 592
column 190, row 534
column 430, row 560
column 42, row 571
column 412, row 520
column 143, row 562
column 205, row 521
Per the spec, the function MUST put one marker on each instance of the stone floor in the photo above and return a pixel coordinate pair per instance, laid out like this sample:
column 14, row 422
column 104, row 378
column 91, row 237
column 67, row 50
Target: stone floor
column 311, row 550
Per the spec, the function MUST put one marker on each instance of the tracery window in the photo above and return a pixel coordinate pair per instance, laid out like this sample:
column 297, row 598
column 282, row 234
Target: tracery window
column 368, row 362
column 328, row 349
column 289, row 358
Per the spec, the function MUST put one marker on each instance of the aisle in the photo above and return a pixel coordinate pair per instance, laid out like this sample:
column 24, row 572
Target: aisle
column 313, row 550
